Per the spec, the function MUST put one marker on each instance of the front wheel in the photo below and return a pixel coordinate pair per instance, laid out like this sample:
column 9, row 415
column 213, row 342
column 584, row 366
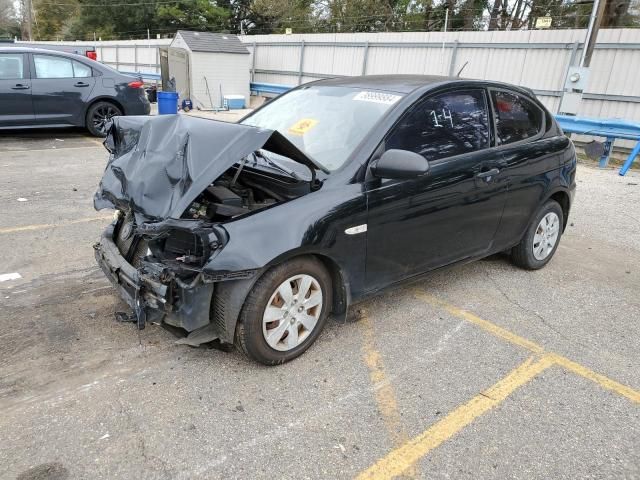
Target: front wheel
column 541, row 238
column 285, row 311
column 99, row 117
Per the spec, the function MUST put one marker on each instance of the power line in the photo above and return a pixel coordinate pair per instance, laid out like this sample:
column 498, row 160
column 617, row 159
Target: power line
column 309, row 30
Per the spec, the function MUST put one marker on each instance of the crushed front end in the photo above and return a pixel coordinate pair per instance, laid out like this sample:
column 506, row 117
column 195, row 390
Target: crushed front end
column 174, row 182
column 158, row 271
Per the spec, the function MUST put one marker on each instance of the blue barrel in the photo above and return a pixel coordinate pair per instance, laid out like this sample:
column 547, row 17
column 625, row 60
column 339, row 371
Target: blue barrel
column 167, row 103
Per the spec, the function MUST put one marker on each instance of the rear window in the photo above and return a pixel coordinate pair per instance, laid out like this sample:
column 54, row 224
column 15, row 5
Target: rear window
column 11, row 66
column 517, row 118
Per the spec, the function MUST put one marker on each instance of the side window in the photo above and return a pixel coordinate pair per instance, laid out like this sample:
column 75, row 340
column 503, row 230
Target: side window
column 80, row 70
column 444, row 125
column 49, row 66
column 516, row 117
column 11, row 66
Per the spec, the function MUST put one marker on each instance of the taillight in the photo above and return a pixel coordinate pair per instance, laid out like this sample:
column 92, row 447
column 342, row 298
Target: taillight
column 92, row 54
column 135, row 84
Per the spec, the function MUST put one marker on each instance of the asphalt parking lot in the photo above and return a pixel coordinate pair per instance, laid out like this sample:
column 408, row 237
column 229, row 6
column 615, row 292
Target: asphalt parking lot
column 477, row 371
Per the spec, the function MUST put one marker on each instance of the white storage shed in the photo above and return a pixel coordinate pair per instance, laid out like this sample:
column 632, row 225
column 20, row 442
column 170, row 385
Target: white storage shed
column 208, row 66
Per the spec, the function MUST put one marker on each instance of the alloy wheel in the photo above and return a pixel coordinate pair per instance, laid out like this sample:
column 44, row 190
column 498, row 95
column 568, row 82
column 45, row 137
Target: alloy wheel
column 102, row 116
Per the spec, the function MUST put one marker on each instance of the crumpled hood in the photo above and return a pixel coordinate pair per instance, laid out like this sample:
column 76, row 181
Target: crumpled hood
column 159, row 165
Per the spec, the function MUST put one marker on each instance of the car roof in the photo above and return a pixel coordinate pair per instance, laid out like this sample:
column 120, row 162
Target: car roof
column 409, row 83
column 394, row 83
column 19, row 49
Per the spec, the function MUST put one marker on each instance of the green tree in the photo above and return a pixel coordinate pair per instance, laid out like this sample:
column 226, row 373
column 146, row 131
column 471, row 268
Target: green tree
column 367, row 15
column 52, row 18
column 110, row 19
column 192, row 15
column 9, row 20
column 274, row 16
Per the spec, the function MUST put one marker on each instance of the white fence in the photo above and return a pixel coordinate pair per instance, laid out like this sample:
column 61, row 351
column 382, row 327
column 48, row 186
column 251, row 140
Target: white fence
column 124, row 55
column 537, row 59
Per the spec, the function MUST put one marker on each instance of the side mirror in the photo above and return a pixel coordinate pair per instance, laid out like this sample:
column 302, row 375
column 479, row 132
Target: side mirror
column 400, row 164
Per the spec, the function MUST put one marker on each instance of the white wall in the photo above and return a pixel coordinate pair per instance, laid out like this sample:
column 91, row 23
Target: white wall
column 537, row 59
column 230, row 71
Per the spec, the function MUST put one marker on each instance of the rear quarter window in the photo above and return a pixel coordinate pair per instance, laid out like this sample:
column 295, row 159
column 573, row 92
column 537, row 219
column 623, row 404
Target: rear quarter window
column 11, row 66
column 517, row 118
column 80, row 70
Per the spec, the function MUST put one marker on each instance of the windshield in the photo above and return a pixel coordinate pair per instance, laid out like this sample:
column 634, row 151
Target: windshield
column 326, row 123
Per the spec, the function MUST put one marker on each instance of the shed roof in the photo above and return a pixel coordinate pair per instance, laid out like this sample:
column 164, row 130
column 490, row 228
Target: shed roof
column 213, row 42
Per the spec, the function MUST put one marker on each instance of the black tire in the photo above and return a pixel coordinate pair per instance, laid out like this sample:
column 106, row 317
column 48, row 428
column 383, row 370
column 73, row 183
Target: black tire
column 249, row 334
column 522, row 254
column 98, row 117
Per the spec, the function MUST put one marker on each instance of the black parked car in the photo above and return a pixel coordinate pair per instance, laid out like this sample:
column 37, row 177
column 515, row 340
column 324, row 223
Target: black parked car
column 45, row 88
column 254, row 232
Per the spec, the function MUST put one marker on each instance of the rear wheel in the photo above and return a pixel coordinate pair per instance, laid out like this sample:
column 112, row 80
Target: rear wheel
column 99, row 117
column 541, row 239
column 285, row 312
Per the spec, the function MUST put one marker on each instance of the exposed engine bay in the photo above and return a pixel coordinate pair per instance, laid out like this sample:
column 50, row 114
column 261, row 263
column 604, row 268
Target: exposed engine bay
column 242, row 190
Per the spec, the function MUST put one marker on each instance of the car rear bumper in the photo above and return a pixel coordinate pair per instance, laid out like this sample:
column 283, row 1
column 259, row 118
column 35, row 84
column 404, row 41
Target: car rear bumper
column 139, row 107
column 134, row 101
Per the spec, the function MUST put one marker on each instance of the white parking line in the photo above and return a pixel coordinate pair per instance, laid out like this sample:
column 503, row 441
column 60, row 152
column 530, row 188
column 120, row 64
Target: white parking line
column 9, row 276
column 51, row 149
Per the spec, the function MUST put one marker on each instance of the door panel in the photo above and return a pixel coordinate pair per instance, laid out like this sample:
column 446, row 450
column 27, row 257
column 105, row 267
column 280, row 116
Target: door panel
column 449, row 215
column 61, row 88
column 178, row 64
column 453, row 212
column 16, row 107
column 531, row 161
column 532, row 168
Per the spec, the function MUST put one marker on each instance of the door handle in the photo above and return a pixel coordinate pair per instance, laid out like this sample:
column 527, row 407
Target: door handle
column 20, row 86
column 81, row 84
column 489, row 174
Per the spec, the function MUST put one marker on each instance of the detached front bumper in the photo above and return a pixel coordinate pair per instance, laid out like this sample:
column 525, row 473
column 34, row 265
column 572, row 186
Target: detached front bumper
column 148, row 297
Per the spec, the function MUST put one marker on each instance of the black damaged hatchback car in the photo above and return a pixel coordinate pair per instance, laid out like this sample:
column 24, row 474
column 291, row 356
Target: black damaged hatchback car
column 254, row 233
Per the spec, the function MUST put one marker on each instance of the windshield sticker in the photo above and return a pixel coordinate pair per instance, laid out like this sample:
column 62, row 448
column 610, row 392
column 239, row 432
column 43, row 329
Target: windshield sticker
column 302, row 126
column 377, row 97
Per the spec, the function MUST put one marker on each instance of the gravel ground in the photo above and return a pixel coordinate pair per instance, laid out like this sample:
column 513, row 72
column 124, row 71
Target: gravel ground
column 83, row 396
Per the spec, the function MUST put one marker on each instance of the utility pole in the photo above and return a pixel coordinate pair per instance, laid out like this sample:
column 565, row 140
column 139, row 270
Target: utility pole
column 446, row 20
column 27, row 17
column 577, row 77
column 597, row 12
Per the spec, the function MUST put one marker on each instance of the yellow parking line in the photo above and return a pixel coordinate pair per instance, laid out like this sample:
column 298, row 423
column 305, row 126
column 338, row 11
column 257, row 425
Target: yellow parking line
column 404, row 457
column 44, row 226
column 504, row 334
column 384, row 393
column 604, row 382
